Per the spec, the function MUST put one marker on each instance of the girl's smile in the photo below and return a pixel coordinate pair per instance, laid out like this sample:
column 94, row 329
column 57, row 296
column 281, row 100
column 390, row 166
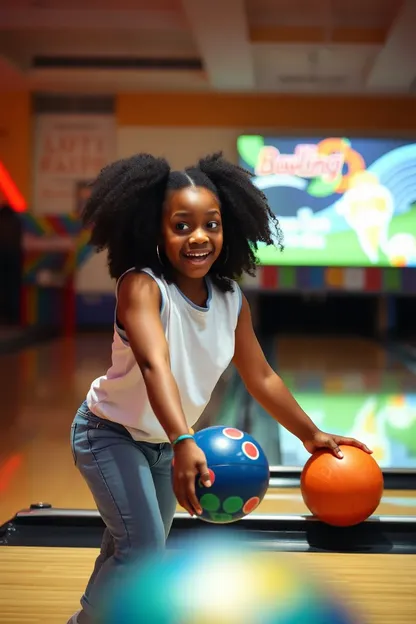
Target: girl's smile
column 197, row 257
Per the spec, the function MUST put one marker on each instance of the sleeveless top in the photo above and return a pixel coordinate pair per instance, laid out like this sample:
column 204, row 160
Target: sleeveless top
column 201, row 346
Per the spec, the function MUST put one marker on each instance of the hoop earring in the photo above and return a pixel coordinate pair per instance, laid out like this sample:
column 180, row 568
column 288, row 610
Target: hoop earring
column 158, row 255
column 226, row 256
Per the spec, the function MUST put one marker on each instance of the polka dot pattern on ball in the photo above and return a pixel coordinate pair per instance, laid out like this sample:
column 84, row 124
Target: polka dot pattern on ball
column 210, row 502
column 232, row 504
column 251, row 504
column 251, row 451
column 233, row 434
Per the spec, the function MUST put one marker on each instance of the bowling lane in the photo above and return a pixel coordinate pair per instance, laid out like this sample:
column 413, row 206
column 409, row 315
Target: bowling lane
column 380, row 588
column 289, row 501
column 42, row 387
column 349, row 386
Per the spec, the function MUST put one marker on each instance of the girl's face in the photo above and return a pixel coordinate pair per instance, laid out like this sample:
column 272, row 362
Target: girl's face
column 192, row 231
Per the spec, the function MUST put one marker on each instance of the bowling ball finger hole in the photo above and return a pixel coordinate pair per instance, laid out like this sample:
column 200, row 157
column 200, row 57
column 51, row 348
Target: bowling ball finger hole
column 211, row 476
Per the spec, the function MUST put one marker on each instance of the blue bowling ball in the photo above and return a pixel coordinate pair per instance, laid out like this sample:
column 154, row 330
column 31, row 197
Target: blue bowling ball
column 239, row 473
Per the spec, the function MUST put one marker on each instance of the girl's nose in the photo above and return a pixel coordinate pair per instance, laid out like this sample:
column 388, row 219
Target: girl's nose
column 198, row 237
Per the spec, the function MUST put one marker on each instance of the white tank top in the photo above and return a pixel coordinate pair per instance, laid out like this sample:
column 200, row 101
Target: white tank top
column 201, row 346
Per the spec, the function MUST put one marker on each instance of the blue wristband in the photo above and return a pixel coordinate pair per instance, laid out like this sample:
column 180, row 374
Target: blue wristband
column 185, row 436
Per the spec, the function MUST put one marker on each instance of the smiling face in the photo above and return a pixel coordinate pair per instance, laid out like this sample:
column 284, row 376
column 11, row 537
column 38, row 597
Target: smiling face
column 192, row 231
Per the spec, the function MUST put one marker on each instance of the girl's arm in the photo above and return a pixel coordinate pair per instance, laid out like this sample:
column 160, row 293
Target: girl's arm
column 138, row 311
column 271, row 393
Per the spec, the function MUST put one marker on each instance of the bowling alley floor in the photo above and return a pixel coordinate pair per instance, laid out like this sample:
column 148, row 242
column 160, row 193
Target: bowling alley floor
column 349, row 386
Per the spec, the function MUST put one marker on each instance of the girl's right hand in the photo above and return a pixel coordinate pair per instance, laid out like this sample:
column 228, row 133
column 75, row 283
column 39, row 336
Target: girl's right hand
column 189, row 462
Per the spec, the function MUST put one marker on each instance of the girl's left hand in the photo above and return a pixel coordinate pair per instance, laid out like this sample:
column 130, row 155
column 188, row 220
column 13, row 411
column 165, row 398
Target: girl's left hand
column 333, row 442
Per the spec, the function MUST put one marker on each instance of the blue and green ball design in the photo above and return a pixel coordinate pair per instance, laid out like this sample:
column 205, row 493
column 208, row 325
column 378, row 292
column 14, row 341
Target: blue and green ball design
column 239, row 473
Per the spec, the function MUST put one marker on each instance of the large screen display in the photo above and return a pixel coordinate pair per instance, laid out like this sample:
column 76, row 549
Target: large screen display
column 341, row 201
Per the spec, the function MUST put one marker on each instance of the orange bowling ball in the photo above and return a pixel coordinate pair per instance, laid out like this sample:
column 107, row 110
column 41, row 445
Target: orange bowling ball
column 342, row 492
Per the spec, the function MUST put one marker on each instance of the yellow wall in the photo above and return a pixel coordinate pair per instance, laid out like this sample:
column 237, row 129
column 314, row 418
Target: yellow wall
column 288, row 113
column 16, row 139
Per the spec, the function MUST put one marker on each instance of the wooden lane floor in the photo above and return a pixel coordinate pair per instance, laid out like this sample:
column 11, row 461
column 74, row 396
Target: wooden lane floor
column 42, row 388
column 43, row 585
column 335, row 354
column 349, row 386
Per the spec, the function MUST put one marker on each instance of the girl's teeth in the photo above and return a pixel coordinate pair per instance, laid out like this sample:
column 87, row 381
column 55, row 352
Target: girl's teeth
column 196, row 255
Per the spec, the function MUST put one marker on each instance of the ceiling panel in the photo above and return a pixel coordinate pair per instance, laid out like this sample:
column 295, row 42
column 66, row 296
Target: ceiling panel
column 122, row 5
column 22, row 47
column 358, row 13
column 312, row 68
column 163, row 28
column 375, row 13
column 75, row 81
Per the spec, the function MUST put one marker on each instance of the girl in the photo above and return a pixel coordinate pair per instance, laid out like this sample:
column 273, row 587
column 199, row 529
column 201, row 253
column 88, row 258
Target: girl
column 176, row 241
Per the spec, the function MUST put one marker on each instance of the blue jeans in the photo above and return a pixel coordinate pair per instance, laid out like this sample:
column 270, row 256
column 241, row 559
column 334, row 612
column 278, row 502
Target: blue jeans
column 132, row 489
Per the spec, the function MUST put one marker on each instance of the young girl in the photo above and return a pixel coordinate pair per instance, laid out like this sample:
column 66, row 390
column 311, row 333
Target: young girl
column 176, row 241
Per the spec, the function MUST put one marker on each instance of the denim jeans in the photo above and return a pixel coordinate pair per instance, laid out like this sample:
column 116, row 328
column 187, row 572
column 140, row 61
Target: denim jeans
column 132, row 489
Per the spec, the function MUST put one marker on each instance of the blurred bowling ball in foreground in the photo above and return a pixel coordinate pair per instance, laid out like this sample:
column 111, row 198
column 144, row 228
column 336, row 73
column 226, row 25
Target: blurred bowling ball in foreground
column 210, row 580
column 239, row 473
column 342, row 492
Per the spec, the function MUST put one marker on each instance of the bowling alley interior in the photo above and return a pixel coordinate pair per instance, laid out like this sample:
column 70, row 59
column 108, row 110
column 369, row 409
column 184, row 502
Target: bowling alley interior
column 316, row 101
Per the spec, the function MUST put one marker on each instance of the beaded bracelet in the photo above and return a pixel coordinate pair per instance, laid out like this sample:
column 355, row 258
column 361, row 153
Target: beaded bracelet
column 185, row 436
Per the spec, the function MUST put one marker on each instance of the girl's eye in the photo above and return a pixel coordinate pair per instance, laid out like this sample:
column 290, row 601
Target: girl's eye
column 213, row 224
column 181, row 226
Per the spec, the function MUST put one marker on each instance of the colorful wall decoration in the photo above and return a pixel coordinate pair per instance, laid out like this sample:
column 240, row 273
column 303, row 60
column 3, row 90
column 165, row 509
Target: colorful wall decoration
column 52, row 236
column 333, row 279
column 341, row 201
column 55, row 246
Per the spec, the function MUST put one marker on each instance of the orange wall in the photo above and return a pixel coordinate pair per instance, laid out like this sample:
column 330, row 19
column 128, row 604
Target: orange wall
column 248, row 112
column 16, row 139
column 285, row 112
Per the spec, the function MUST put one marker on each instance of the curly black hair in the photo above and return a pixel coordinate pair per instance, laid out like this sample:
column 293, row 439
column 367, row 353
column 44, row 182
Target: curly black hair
column 124, row 212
